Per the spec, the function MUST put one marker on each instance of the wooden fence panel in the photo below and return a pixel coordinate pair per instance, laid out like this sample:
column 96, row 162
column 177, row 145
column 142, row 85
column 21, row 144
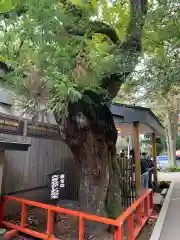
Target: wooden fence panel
column 25, row 170
column 127, row 181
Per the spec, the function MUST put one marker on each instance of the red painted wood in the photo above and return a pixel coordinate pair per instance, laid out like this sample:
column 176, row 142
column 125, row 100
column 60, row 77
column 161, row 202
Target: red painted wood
column 130, row 227
column 146, row 207
column 119, row 233
column 133, row 231
column 139, row 215
column 50, row 221
column 81, row 228
column 23, row 215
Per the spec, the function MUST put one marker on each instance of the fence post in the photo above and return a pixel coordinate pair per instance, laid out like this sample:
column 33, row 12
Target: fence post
column 151, row 200
column 50, row 222
column 130, row 227
column 81, row 228
column 23, row 215
column 119, row 233
column 139, row 214
column 146, row 207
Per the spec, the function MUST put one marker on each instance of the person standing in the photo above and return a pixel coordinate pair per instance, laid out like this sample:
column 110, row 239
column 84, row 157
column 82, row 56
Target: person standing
column 144, row 173
column 131, row 156
column 149, row 165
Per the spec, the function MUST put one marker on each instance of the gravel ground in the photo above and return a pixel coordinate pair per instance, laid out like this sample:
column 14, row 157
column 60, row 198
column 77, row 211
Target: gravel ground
column 147, row 231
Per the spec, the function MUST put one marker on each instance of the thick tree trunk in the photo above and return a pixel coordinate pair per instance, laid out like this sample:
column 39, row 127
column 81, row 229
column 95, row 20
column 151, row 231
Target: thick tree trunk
column 90, row 132
column 171, row 139
column 174, row 135
column 168, row 144
column 94, row 174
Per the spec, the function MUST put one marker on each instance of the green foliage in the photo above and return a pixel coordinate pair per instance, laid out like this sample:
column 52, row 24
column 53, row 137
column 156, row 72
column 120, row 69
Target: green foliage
column 38, row 43
column 53, row 62
column 176, row 169
column 162, row 28
column 127, row 94
column 160, row 144
column 85, row 4
column 117, row 14
column 178, row 142
column 159, row 68
column 7, row 5
column 164, row 184
column 43, row 41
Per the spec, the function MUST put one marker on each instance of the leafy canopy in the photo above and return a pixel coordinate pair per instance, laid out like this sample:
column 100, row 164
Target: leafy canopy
column 7, row 5
column 156, row 78
column 53, row 53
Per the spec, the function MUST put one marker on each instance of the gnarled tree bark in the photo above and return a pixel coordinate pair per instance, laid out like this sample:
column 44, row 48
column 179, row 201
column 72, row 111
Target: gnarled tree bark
column 90, row 133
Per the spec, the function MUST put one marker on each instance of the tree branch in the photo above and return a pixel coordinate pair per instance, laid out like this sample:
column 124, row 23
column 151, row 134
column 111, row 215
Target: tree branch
column 92, row 27
column 130, row 50
column 95, row 27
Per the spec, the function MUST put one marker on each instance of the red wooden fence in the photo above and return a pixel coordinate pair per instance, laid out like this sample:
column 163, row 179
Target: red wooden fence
column 142, row 208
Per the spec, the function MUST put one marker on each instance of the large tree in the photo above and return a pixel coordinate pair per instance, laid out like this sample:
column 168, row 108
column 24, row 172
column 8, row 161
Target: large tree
column 73, row 57
column 156, row 80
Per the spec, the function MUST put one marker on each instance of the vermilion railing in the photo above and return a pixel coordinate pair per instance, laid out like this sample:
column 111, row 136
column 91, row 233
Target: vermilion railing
column 142, row 208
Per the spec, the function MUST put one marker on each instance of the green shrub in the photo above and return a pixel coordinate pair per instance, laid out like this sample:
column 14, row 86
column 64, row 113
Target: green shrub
column 172, row 169
column 164, row 184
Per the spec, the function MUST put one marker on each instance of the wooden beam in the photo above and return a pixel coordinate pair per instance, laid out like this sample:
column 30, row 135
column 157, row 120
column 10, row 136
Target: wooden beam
column 137, row 156
column 154, row 159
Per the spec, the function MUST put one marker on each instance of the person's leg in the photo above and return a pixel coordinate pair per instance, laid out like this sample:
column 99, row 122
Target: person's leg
column 143, row 181
column 150, row 180
column 146, row 179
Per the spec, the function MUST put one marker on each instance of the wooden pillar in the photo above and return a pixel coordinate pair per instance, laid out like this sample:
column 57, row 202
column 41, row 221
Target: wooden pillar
column 2, row 160
column 154, row 159
column 137, row 156
column 25, row 128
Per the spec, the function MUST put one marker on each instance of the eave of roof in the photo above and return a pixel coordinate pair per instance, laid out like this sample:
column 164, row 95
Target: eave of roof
column 137, row 113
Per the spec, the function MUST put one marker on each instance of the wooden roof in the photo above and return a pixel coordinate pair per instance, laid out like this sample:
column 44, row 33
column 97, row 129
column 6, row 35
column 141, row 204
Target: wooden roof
column 125, row 115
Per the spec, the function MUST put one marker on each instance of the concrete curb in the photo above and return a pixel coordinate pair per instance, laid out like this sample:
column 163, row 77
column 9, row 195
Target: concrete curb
column 160, row 222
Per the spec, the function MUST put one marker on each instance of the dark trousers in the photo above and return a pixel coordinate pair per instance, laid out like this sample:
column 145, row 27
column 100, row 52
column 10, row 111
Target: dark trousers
column 150, row 183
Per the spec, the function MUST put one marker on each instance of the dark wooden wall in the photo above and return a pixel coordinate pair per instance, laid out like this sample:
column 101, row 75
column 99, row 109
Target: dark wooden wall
column 25, row 173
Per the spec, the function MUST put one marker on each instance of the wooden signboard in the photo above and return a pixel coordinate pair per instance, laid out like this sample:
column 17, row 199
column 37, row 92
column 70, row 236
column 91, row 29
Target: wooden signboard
column 57, row 186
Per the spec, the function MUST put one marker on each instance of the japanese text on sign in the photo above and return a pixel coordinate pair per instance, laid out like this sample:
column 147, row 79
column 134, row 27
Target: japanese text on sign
column 55, row 187
column 62, row 181
column 57, row 182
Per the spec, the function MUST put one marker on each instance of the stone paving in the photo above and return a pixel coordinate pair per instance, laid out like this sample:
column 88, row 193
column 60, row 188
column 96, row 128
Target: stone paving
column 171, row 177
column 171, row 226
